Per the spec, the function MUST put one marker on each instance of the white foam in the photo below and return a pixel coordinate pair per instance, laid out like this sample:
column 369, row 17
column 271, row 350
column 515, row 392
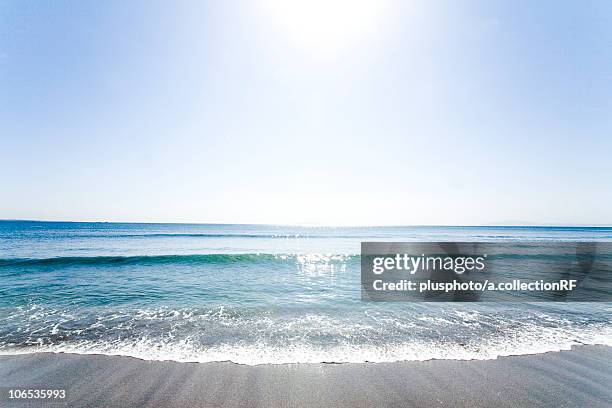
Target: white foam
column 535, row 341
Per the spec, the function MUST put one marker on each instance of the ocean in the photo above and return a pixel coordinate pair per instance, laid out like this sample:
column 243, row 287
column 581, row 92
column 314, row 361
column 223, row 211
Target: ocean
column 258, row 295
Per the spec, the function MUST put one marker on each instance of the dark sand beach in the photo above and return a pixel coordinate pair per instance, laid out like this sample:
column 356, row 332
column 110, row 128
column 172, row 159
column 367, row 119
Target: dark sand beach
column 581, row 377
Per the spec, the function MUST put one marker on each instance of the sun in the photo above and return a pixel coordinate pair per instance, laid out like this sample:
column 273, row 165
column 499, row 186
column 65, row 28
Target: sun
column 325, row 26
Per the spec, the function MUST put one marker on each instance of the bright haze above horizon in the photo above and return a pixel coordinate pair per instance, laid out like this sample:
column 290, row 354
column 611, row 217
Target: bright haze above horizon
column 315, row 112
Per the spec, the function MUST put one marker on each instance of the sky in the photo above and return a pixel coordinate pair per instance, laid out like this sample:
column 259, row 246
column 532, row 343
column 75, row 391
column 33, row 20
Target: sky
column 315, row 112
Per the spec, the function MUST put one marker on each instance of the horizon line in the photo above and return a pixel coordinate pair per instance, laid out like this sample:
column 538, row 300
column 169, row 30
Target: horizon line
column 324, row 225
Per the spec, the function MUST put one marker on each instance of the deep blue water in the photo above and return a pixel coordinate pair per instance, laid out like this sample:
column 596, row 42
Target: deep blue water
column 257, row 294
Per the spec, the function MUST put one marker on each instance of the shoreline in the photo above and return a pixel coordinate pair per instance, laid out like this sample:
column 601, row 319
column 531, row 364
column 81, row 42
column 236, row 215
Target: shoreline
column 579, row 377
column 298, row 363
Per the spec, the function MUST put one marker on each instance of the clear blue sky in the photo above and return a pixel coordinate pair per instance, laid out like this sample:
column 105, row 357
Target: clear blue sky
column 320, row 112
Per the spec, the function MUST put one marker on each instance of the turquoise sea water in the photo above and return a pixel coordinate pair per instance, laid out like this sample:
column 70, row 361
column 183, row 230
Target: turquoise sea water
column 257, row 294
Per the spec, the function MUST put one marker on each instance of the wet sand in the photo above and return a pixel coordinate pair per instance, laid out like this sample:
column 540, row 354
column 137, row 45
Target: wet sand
column 581, row 377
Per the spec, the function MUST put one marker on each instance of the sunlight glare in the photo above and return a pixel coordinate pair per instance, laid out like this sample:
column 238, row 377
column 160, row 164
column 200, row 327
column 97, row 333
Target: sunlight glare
column 326, row 26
